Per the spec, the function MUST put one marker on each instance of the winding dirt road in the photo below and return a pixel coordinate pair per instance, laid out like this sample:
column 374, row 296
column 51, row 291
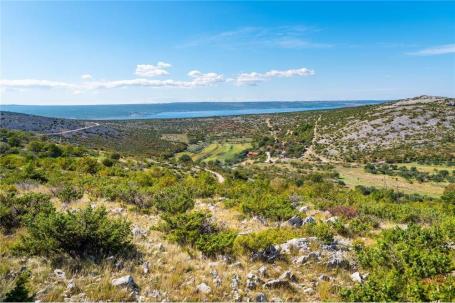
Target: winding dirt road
column 73, row 130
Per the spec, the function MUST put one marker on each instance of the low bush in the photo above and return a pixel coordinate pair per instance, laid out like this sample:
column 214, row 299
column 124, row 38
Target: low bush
column 449, row 194
column 195, row 229
column 398, row 264
column 173, row 199
column 69, row 193
column 20, row 292
column 16, row 210
column 82, row 233
column 270, row 206
column 257, row 241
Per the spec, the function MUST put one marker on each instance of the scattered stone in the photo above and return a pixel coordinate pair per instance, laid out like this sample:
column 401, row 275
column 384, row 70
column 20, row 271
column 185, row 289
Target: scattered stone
column 261, row 297
column 288, row 275
column 303, row 209
column 276, row 283
column 71, row 285
column 269, row 254
column 160, row 247
column 262, row 271
column 235, row 281
column 357, row 277
column 309, row 220
column 338, row 261
column 145, row 267
column 216, row 278
column 139, row 232
column 203, row 288
column 236, row 297
column 236, row 264
column 333, row 219
column 60, row 274
column 295, row 221
column 300, row 260
column 125, row 281
column 300, row 244
column 153, row 294
column 324, row 278
column 118, row 265
column 308, row 291
column 251, row 281
column 117, row 210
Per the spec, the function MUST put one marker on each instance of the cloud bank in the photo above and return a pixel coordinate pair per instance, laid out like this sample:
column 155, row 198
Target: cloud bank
column 150, row 70
column 196, row 79
column 254, row 78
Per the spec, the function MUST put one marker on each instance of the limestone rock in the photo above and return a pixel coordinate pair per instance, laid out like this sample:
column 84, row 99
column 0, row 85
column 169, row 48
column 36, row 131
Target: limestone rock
column 203, row 288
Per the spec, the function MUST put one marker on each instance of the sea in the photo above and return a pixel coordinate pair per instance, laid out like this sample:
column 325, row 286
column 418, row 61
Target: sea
column 177, row 109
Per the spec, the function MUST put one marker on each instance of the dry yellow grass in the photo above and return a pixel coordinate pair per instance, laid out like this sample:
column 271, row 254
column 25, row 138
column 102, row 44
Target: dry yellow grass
column 354, row 176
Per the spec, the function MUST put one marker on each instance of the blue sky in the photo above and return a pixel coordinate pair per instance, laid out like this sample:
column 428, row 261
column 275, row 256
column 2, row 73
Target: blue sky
column 140, row 52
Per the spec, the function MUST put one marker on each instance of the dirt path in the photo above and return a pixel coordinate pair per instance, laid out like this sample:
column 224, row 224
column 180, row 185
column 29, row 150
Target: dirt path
column 219, row 177
column 310, row 152
column 73, row 130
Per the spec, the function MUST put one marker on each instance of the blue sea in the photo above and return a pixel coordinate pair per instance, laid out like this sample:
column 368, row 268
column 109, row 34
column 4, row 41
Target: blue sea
column 177, row 109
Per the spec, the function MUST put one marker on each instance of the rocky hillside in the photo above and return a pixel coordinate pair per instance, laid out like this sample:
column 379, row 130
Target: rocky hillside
column 405, row 128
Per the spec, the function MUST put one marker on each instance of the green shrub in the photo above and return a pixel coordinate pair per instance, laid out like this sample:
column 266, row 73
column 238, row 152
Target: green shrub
column 173, row 199
column 269, row 206
column 195, row 229
column 399, row 262
column 69, row 193
column 449, row 194
column 107, row 162
column 20, row 292
column 88, row 165
column 82, row 233
column 16, row 210
column 260, row 240
column 30, row 172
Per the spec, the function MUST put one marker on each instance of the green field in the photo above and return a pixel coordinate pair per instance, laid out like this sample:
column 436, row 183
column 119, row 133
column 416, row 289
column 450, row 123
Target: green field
column 219, row 151
column 354, row 176
column 427, row 167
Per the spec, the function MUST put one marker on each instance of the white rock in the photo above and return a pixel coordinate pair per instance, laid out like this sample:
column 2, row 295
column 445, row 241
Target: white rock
column 308, row 291
column 125, row 281
column 235, row 281
column 145, row 267
column 60, row 274
column 262, row 271
column 203, row 288
column 357, row 277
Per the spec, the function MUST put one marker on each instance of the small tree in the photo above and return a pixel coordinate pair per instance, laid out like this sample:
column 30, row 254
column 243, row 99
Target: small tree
column 20, row 293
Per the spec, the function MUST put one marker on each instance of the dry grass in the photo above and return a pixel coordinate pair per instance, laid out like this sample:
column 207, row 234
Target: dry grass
column 354, row 176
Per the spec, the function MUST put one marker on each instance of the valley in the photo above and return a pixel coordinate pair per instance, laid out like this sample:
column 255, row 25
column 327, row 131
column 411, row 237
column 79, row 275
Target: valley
column 351, row 204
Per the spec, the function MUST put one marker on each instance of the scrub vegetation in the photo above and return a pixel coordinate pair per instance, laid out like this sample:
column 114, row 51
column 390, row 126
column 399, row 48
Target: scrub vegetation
column 254, row 208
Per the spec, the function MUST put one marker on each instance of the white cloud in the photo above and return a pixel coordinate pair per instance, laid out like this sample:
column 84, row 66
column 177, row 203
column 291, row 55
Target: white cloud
column 436, row 50
column 86, row 77
column 33, row 83
column 254, row 78
column 149, row 70
column 196, row 79
column 200, row 79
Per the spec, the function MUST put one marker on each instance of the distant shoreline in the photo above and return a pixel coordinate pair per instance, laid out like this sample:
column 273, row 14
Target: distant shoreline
column 179, row 109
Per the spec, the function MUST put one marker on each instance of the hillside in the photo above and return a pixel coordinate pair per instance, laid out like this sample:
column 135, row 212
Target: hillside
column 281, row 207
column 405, row 128
column 396, row 131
